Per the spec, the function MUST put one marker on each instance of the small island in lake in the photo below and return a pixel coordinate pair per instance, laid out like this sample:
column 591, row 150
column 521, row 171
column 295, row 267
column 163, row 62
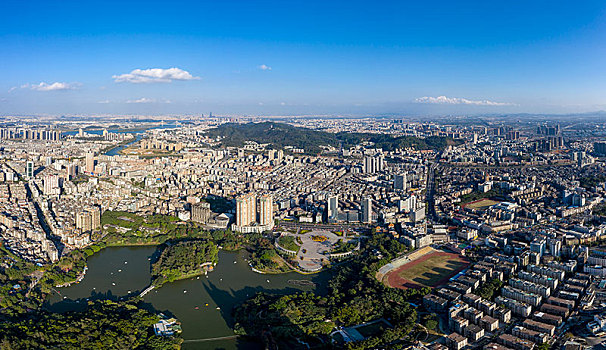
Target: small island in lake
column 184, row 259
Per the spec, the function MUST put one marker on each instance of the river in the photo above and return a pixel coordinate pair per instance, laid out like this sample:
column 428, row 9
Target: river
column 113, row 272
column 137, row 132
column 116, row 150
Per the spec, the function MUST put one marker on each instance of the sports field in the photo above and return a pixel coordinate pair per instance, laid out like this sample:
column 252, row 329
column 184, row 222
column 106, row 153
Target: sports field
column 430, row 270
column 480, row 203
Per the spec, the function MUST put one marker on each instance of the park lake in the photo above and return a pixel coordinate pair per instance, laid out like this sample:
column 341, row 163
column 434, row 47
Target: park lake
column 118, row 272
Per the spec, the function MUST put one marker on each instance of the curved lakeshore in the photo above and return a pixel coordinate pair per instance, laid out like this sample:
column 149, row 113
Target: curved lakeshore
column 231, row 282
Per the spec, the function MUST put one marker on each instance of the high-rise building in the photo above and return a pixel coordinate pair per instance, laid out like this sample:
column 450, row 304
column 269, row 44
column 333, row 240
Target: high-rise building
column 200, row 212
column 373, row 164
column 84, row 221
column 29, row 169
column 600, row 148
column 538, row 246
column 70, row 171
column 266, row 210
column 252, row 209
column 512, row 135
column 241, row 211
column 399, row 182
column 417, row 214
column 333, row 207
column 246, row 213
column 367, row 210
column 271, row 154
column 51, row 185
column 246, row 210
column 90, row 162
column 95, row 217
column 555, row 247
column 407, row 204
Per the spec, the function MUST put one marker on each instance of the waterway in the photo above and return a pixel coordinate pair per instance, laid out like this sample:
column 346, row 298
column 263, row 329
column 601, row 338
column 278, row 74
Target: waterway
column 137, row 132
column 113, row 272
column 116, row 150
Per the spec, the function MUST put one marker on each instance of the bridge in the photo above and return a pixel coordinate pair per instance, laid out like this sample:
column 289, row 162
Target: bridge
column 147, row 290
column 211, row 339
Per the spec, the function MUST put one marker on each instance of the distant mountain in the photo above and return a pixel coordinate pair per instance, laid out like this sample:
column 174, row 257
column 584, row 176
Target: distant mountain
column 390, row 143
column 277, row 134
column 281, row 135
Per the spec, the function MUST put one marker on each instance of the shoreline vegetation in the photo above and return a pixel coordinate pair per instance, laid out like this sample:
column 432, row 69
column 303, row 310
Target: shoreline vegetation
column 184, row 259
column 24, row 285
column 185, row 250
column 261, row 256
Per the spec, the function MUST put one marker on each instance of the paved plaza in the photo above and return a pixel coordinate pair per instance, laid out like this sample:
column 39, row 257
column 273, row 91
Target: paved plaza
column 313, row 251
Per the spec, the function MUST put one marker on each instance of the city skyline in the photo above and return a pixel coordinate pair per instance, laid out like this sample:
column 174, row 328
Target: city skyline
column 316, row 58
column 303, row 175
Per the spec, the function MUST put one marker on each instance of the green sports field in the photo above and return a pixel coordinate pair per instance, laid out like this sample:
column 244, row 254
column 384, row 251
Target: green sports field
column 430, row 270
column 482, row 203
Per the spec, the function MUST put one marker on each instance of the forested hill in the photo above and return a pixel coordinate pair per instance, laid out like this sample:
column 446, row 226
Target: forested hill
column 390, row 143
column 280, row 135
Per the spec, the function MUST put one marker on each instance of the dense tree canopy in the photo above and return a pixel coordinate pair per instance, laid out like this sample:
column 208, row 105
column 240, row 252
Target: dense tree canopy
column 490, row 289
column 103, row 325
column 183, row 259
column 354, row 296
column 280, row 135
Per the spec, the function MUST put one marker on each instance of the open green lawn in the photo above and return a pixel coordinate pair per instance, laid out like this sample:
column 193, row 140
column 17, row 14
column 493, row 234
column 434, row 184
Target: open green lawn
column 432, row 270
column 288, row 242
column 476, row 195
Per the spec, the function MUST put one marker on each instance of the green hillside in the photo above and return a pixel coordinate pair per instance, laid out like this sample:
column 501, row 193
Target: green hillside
column 280, row 135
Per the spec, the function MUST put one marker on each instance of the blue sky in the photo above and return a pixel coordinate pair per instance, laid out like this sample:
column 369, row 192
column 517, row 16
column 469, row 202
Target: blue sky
column 302, row 57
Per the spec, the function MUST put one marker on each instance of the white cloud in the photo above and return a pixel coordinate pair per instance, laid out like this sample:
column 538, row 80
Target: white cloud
column 103, row 102
column 56, row 86
column 459, row 101
column 142, row 100
column 264, row 67
column 154, row 75
column 148, row 100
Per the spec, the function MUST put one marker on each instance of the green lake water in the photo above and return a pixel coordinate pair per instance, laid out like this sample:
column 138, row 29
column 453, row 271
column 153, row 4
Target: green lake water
column 113, row 272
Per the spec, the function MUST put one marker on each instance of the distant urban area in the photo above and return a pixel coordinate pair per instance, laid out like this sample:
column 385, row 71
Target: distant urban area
column 484, row 232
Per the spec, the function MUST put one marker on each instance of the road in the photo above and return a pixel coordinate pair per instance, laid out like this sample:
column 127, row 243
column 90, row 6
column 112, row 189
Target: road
column 36, row 276
column 328, row 227
column 430, row 193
